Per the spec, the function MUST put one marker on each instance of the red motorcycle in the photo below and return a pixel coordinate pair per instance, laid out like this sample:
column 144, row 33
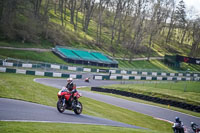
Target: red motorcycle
column 69, row 100
column 87, row 80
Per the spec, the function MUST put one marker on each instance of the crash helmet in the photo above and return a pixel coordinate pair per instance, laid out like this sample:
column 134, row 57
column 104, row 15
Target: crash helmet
column 177, row 119
column 69, row 80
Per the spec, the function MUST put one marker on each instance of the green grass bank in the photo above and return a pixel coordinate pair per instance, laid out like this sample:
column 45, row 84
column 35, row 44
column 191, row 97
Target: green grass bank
column 38, row 127
column 187, row 91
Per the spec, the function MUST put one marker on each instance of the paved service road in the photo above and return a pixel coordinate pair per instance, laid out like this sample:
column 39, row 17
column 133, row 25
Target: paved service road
column 150, row 110
column 25, row 111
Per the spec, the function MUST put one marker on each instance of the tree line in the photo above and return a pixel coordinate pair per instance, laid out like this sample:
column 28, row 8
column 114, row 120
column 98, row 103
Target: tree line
column 132, row 25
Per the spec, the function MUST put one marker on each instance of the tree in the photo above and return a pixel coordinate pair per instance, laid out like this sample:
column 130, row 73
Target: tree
column 72, row 8
column 139, row 27
column 101, row 7
column 196, row 38
column 89, row 7
column 78, row 9
column 180, row 15
column 37, row 6
column 172, row 23
column 46, row 18
column 61, row 7
column 1, row 8
column 117, row 22
column 8, row 15
column 154, row 24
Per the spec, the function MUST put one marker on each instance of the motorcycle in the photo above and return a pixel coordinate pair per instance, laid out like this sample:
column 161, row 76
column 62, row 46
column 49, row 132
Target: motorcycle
column 69, row 100
column 195, row 128
column 87, row 80
column 178, row 128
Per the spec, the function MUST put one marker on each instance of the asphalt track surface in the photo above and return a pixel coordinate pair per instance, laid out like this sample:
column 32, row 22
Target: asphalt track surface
column 154, row 111
column 16, row 110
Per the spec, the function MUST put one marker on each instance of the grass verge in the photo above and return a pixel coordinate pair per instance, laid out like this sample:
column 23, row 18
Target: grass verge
column 144, row 64
column 156, row 65
column 37, row 127
column 147, row 102
column 17, row 44
column 22, row 87
column 183, row 91
column 32, row 55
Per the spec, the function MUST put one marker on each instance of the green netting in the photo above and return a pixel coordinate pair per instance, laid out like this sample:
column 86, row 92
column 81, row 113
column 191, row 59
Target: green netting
column 68, row 53
column 101, row 57
column 85, row 55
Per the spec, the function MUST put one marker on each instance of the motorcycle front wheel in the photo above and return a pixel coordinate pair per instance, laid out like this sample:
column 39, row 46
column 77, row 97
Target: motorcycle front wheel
column 78, row 109
column 60, row 106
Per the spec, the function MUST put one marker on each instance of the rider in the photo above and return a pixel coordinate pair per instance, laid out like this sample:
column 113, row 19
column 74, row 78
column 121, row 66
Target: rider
column 71, row 87
column 178, row 125
column 194, row 127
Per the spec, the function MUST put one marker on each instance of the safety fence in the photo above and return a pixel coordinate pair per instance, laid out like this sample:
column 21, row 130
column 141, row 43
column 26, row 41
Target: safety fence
column 127, row 77
column 39, row 73
column 95, row 70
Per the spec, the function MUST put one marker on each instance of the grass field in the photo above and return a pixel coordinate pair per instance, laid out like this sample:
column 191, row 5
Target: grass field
column 144, row 64
column 42, row 44
column 156, row 65
column 188, row 91
column 37, row 127
column 32, row 55
column 191, row 67
column 22, row 87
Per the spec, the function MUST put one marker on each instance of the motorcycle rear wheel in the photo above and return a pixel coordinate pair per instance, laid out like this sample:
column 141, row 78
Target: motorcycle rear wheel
column 60, row 106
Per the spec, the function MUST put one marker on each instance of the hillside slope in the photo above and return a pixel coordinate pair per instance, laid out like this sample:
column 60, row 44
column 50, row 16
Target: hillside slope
column 48, row 25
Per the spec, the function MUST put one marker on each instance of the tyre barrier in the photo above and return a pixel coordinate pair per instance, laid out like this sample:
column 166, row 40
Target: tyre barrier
column 149, row 98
